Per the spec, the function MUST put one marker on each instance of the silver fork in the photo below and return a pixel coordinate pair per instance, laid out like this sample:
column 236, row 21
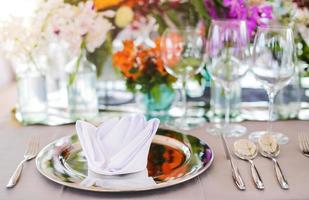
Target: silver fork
column 304, row 144
column 30, row 153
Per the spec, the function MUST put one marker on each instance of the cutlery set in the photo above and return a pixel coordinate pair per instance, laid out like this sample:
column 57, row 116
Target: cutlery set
column 247, row 150
column 243, row 149
column 30, row 153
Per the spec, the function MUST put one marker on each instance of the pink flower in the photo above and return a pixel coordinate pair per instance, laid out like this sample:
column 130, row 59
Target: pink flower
column 236, row 8
column 211, row 9
column 258, row 16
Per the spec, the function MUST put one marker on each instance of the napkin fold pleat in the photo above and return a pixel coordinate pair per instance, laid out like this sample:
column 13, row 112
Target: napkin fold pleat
column 117, row 146
column 128, row 181
column 130, row 151
column 87, row 139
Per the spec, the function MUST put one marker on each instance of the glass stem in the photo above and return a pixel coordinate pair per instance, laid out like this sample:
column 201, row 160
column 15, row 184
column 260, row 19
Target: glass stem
column 271, row 97
column 227, row 107
column 184, row 96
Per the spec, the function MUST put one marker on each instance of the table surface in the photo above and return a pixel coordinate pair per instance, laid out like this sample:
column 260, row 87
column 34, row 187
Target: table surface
column 215, row 183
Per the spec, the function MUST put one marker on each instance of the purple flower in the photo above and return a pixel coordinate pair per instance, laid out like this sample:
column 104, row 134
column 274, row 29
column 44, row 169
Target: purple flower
column 252, row 19
column 211, row 9
column 266, row 13
column 258, row 16
column 236, row 7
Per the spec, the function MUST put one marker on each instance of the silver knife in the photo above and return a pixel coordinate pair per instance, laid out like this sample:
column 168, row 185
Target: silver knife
column 235, row 172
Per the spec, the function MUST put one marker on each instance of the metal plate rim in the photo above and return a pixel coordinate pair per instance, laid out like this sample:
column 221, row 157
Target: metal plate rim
column 102, row 190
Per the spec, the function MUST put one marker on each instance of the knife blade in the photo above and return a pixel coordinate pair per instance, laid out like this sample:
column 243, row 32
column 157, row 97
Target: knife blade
column 235, row 172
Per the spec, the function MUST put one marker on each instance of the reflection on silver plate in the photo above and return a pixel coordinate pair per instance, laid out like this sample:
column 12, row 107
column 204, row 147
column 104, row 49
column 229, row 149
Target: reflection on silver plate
column 173, row 158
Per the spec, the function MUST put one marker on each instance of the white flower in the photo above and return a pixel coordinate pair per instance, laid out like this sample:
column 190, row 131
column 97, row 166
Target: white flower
column 97, row 35
column 71, row 24
column 22, row 38
column 77, row 24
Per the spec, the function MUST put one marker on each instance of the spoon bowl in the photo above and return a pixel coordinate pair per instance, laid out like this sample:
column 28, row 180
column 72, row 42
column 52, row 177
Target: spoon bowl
column 269, row 148
column 247, row 150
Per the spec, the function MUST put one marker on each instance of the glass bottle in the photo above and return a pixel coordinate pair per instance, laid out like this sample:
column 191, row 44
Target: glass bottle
column 81, row 87
column 31, row 92
column 56, row 59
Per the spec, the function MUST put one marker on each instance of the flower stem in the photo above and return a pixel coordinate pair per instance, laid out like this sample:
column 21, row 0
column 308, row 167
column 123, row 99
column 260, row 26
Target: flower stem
column 73, row 74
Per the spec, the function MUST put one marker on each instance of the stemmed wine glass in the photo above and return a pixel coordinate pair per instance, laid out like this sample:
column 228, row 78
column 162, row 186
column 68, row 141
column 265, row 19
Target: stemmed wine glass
column 182, row 51
column 273, row 58
column 228, row 57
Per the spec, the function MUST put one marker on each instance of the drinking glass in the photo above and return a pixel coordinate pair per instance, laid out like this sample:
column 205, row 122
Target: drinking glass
column 273, row 57
column 182, row 52
column 228, row 57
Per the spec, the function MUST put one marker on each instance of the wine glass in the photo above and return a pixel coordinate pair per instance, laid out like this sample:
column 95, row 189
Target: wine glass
column 228, row 57
column 182, row 51
column 273, row 57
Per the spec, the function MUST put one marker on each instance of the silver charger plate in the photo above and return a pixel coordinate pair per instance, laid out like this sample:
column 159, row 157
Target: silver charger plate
column 173, row 158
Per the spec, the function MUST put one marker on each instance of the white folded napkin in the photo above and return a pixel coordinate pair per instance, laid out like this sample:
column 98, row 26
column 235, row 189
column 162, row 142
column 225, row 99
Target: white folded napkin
column 127, row 181
column 117, row 146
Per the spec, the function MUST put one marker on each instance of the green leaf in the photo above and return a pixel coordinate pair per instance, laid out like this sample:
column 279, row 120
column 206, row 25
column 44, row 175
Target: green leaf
column 173, row 15
column 201, row 10
column 74, row 2
column 133, row 70
column 156, row 93
column 101, row 54
column 161, row 22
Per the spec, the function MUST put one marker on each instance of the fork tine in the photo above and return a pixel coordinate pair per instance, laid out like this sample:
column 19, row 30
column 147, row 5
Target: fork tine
column 29, row 145
column 32, row 146
column 306, row 141
column 37, row 145
column 300, row 142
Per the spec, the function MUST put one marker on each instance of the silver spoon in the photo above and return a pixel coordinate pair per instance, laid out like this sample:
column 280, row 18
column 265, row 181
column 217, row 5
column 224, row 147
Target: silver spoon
column 247, row 150
column 269, row 148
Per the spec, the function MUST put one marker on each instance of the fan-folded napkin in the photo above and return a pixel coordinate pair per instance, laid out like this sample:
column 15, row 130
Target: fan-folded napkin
column 118, row 145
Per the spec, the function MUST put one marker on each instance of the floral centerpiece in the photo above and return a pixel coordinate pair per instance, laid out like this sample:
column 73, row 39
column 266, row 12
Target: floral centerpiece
column 255, row 13
column 82, row 29
column 144, row 71
column 295, row 13
column 23, row 43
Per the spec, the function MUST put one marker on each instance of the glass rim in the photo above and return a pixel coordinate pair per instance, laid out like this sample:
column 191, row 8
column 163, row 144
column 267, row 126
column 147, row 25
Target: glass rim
column 274, row 27
column 220, row 20
column 183, row 28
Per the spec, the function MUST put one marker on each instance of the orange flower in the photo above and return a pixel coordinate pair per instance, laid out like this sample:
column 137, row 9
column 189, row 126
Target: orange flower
column 171, row 49
column 125, row 60
column 131, row 3
column 135, row 61
column 103, row 4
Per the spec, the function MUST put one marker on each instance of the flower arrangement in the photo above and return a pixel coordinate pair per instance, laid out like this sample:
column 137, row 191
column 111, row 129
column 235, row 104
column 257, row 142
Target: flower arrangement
column 22, row 40
column 254, row 12
column 295, row 13
column 142, row 67
column 141, row 17
column 78, row 26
